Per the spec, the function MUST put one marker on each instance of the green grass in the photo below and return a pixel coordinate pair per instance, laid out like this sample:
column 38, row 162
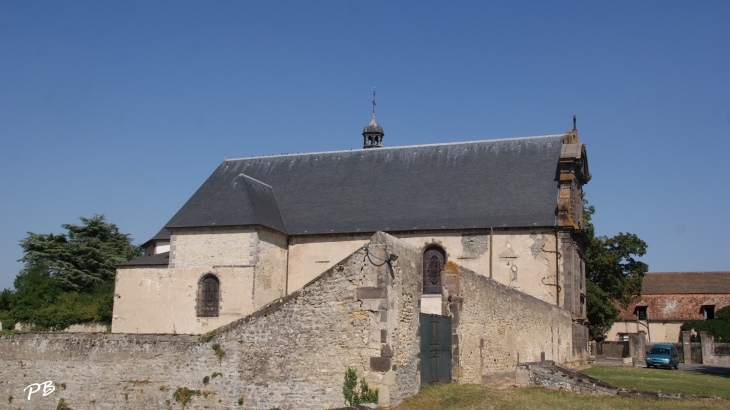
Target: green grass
column 667, row 381
column 477, row 397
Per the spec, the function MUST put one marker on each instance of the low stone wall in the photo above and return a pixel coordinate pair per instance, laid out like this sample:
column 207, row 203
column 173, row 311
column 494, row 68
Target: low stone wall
column 291, row 354
column 616, row 350
column 551, row 375
column 496, row 327
column 91, row 327
column 722, row 349
column 88, row 327
column 709, row 352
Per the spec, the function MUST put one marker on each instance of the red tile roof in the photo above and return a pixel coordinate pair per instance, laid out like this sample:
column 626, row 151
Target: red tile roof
column 659, row 283
column 680, row 295
column 674, row 307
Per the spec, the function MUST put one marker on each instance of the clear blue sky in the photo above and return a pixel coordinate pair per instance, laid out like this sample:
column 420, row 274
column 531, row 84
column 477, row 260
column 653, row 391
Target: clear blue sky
column 125, row 109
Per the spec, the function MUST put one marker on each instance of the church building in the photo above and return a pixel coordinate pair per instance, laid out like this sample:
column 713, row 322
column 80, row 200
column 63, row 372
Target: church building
column 261, row 228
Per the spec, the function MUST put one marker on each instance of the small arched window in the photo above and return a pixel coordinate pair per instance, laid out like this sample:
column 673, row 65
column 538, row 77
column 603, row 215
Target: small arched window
column 208, row 296
column 433, row 263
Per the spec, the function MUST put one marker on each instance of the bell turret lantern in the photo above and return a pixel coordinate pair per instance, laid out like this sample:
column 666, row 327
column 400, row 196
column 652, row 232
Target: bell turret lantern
column 373, row 133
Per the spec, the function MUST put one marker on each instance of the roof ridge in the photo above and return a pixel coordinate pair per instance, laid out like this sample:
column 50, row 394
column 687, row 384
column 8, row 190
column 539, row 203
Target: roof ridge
column 253, row 179
column 255, row 206
column 394, row 148
column 679, row 272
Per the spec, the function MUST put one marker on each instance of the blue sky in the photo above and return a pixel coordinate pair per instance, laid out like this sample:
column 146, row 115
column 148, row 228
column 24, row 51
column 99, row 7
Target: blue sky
column 125, row 109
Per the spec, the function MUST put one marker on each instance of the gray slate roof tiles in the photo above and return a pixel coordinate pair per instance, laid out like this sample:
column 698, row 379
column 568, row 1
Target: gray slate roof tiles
column 481, row 184
column 161, row 235
column 159, row 259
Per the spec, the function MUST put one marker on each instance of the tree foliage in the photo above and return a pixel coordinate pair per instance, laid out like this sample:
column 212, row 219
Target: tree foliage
column 601, row 310
column 83, row 257
column 718, row 327
column 613, row 274
column 67, row 278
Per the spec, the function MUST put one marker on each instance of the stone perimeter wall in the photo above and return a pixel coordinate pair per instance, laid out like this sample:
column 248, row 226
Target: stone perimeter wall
column 291, row 354
column 496, row 327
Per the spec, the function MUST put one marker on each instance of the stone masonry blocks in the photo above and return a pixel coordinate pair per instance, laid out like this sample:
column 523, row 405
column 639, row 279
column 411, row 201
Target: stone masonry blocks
column 498, row 327
column 291, row 354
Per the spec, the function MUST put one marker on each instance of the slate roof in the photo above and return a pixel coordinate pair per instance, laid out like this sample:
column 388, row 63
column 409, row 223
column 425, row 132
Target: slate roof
column 480, row 184
column 685, row 282
column 161, row 235
column 159, row 259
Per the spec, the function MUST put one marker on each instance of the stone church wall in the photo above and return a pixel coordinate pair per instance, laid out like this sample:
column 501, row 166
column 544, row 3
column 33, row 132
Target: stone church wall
column 271, row 268
column 292, row 354
column 521, row 259
column 206, row 247
column 309, row 256
column 164, row 300
column 250, row 265
column 496, row 327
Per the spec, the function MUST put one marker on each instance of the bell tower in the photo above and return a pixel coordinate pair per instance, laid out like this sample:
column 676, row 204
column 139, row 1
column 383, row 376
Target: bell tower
column 373, row 133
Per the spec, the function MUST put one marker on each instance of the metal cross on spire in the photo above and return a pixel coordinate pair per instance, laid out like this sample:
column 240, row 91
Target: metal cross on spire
column 373, row 101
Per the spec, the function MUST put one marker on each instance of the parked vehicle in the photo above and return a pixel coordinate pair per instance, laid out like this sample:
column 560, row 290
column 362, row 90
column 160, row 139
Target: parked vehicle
column 663, row 356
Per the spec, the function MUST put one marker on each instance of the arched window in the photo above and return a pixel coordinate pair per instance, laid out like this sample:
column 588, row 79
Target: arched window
column 433, row 263
column 208, row 296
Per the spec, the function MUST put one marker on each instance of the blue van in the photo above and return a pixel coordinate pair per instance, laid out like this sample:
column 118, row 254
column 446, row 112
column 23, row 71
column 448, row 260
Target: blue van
column 663, row 356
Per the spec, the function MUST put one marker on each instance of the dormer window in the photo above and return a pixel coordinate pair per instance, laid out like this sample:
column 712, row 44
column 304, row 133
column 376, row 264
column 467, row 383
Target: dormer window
column 708, row 311
column 641, row 313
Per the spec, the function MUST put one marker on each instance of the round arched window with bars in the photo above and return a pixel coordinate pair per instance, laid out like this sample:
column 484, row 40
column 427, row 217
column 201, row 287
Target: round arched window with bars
column 209, row 296
column 433, row 263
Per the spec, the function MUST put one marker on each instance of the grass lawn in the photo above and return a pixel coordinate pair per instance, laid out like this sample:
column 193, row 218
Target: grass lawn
column 667, row 381
column 477, row 397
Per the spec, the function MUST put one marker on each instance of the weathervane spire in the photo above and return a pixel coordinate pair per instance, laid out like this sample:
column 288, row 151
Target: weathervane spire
column 373, row 102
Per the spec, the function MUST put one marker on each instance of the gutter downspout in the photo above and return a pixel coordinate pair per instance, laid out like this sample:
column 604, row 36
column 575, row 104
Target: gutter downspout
column 286, row 280
column 557, row 269
column 638, row 322
column 491, row 248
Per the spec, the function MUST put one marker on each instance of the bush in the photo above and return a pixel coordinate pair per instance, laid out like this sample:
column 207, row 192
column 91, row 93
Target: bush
column 183, row 395
column 723, row 314
column 62, row 405
column 367, row 395
column 41, row 302
column 718, row 327
column 219, row 351
column 352, row 396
